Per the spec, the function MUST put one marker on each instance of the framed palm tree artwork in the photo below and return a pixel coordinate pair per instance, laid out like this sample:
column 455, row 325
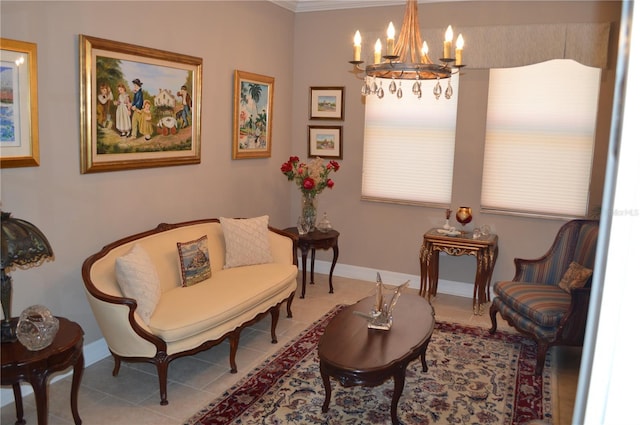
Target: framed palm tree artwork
column 252, row 115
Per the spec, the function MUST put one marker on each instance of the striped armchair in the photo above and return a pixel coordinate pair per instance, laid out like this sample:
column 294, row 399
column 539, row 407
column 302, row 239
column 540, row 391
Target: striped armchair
column 535, row 304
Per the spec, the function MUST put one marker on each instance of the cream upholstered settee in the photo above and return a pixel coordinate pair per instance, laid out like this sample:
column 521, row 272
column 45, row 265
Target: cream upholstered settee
column 142, row 292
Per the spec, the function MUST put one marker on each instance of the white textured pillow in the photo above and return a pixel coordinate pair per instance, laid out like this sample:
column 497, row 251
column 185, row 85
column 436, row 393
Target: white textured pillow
column 138, row 279
column 246, row 241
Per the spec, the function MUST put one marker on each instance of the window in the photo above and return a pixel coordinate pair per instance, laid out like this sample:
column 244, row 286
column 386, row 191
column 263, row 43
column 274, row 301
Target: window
column 540, row 138
column 409, row 145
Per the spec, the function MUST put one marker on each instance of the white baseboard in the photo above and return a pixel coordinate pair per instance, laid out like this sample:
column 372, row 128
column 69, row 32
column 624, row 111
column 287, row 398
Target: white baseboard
column 450, row 287
column 98, row 350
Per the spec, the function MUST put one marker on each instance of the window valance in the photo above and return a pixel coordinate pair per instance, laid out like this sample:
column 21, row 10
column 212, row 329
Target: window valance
column 518, row 45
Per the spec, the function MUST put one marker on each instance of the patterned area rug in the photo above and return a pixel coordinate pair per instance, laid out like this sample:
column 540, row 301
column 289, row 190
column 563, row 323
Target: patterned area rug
column 473, row 377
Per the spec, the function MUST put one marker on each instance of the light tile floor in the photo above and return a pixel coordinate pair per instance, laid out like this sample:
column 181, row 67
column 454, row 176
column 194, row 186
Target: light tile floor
column 133, row 396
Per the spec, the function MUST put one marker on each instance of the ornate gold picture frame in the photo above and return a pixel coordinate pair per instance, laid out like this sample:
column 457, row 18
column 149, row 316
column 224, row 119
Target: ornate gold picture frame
column 140, row 107
column 19, row 145
column 252, row 115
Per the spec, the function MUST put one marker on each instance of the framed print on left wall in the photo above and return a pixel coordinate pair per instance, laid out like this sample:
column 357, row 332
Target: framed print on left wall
column 19, row 106
column 140, row 107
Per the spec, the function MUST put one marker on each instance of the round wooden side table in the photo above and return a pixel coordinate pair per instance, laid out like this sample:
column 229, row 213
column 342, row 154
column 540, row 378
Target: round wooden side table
column 312, row 241
column 34, row 367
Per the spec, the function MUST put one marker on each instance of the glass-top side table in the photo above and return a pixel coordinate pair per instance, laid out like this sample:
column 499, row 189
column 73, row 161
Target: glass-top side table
column 484, row 248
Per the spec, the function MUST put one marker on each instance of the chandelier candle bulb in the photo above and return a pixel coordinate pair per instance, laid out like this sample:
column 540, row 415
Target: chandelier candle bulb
column 425, row 52
column 357, row 47
column 448, row 39
column 459, row 47
column 377, row 53
column 391, row 34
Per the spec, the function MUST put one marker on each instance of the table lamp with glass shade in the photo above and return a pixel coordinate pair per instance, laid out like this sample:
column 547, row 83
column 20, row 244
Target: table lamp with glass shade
column 23, row 246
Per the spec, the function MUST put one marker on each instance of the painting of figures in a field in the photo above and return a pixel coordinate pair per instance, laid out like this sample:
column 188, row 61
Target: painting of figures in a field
column 142, row 107
column 252, row 120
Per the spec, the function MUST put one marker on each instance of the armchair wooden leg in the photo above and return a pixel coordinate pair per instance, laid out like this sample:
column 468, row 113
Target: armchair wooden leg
column 493, row 311
column 541, row 356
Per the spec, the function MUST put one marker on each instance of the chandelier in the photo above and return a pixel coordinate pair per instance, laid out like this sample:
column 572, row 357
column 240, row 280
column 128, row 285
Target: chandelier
column 408, row 59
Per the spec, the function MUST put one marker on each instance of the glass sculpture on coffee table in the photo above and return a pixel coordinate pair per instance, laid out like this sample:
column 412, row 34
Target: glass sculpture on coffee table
column 381, row 315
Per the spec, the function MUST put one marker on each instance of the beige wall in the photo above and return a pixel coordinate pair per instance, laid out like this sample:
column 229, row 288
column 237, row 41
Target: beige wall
column 388, row 237
column 81, row 213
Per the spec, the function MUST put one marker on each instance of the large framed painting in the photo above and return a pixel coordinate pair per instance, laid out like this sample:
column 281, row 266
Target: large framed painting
column 140, row 107
column 326, row 103
column 252, row 115
column 18, row 104
column 325, row 141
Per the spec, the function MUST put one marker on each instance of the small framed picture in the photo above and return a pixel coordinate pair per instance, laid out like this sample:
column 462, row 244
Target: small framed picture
column 325, row 141
column 325, row 103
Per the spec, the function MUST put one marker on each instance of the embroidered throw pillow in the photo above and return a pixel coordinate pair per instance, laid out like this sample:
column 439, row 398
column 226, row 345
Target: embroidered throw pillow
column 246, row 241
column 576, row 276
column 194, row 261
column 138, row 278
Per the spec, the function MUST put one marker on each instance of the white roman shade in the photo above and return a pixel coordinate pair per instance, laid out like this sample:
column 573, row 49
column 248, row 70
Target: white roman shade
column 539, row 139
column 409, row 146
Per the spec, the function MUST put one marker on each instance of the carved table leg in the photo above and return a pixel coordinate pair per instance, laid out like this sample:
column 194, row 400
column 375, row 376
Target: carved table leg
column 313, row 262
column 423, row 271
column 327, row 390
column 39, row 384
column 398, row 386
column 78, row 370
column 333, row 266
column 304, row 250
column 433, row 270
column 17, row 396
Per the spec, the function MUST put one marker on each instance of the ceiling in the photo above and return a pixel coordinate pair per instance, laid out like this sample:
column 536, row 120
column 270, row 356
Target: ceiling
column 317, row 5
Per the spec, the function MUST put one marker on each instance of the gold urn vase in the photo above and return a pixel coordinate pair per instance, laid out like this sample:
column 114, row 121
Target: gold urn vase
column 464, row 215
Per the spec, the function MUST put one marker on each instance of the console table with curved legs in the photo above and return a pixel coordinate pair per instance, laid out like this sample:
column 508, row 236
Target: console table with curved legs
column 484, row 248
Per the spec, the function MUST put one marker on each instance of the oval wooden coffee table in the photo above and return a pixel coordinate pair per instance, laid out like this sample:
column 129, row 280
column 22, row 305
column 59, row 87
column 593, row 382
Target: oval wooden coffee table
column 356, row 355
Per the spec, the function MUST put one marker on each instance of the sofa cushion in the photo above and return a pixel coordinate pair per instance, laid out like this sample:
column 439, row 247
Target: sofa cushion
column 576, row 276
column 138, row 279
column 246, row 241
column 194, row 261
column 543, row 304
column 186, row 311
